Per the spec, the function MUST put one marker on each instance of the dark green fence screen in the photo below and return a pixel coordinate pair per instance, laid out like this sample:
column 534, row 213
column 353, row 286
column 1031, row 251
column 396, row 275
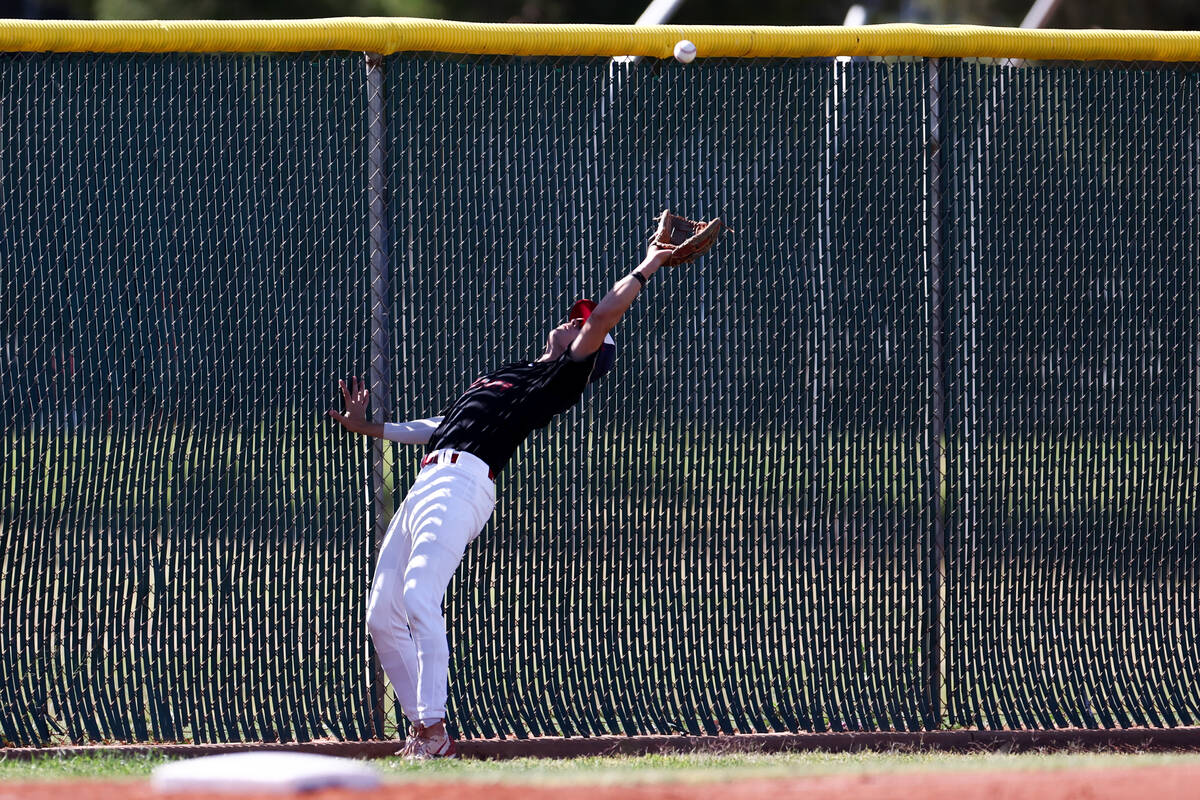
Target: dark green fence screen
column 1073, row 546
column 185, row 542
column 916, row 446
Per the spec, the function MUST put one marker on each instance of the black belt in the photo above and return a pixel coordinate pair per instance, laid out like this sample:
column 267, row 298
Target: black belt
column 432, row 458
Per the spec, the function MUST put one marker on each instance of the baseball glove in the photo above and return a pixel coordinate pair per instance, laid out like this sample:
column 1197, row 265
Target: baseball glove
column 686, row 239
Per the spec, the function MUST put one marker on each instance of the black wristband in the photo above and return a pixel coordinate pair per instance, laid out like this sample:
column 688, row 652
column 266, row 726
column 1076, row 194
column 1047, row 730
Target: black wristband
column 639, row 277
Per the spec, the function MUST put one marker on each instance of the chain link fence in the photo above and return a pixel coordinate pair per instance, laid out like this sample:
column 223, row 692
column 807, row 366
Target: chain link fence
column 915, row 447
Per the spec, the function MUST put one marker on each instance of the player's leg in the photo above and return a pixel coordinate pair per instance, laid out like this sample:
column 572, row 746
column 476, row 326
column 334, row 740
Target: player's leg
column 387, row 619
column 446, row 516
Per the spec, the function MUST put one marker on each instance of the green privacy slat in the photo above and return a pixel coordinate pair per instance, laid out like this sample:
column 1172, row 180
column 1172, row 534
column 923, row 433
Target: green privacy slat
column 1075, row 314
column 184, row 540
column 727, row 534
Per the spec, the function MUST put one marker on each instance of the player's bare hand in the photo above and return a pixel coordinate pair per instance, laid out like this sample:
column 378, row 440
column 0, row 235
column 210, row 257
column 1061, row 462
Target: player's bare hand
column 355, row 398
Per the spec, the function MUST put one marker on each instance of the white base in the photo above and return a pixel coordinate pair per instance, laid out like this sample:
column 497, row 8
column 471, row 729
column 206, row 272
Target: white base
column 263, row 772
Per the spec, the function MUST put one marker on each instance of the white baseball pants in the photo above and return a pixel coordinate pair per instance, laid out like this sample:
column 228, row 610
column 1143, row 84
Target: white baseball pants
column 444, row 511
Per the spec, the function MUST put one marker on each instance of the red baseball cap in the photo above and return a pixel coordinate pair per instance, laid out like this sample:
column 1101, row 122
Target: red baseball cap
column 581, row 310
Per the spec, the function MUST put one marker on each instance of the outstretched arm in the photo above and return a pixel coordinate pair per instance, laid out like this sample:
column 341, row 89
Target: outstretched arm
column 356, row 397
column 620, row 297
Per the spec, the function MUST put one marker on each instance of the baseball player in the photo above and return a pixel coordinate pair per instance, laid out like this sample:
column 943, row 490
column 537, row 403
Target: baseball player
column 454, row 493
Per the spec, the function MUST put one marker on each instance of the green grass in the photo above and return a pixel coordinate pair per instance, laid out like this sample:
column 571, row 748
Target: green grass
column 97, row 767
column 696, row 767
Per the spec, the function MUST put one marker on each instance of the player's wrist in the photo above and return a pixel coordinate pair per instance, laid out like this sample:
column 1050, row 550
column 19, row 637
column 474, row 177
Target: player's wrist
column 648, row 267
column 657, row 258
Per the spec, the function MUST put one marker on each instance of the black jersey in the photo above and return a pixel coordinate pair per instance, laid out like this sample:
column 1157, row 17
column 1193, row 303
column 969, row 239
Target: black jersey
column 499, row 409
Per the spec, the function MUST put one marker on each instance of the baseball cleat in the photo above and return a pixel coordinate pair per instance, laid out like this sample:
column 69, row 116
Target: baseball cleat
column 408, row 744
column 419, row 749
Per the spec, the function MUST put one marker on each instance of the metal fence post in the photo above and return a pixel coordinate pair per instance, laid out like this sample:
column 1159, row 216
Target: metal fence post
column 935, row 639
column 380, row 367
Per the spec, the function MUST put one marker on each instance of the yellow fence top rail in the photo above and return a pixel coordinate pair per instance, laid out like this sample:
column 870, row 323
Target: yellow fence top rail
column 394, row 35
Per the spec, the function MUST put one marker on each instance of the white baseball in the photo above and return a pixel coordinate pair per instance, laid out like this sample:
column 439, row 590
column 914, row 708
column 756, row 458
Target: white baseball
column 685, row 51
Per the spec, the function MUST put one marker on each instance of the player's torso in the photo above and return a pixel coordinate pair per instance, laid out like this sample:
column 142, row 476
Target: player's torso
column 496, row 412
column 511, row 392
